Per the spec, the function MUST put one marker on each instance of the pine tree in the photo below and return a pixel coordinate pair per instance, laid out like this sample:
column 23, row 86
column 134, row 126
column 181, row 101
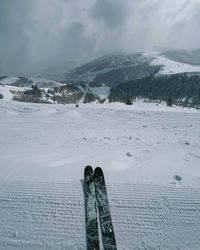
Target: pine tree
column 128, row 101
column 169, row 101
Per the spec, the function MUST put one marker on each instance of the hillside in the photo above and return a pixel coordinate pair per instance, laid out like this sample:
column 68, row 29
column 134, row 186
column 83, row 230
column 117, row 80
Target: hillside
column 21, row 81
column 142, row 149
column 26, row 90
column 180, row 88
column 185, row 56
column 112, row 70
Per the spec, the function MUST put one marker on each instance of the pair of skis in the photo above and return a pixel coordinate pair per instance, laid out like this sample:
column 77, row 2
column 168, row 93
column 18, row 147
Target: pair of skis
column 96, row 200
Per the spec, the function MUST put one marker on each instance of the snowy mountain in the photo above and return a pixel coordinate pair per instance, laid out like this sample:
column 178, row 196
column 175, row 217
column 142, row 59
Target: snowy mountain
column 174, row 62
column 112, row 70
column 185, row 56
column 95, row 78
column 21, row 81
column 118, row 68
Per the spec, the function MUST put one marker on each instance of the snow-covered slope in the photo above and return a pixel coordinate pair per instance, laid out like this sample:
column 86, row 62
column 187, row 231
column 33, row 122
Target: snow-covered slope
column 44, row 149
column 119, row 68
column 50, row 215
column 170, row 66
column 42, row 82
column 103, row 92
column 9, row 91
column 112, row 69
column 190, row 56
column 54, row 142
column 9, row 80
column 27, row 82
column 5, row 90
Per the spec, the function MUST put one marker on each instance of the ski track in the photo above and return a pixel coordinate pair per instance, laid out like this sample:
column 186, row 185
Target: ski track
column 155, row 216
column 49, row 215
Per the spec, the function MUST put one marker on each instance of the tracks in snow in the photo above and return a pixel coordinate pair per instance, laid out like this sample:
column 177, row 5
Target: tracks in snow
column 51, row 216
column 155, row 217
column 42, row 216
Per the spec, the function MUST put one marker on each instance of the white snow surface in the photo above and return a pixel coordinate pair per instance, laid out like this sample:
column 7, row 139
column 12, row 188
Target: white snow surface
column 50, row 215
column 5, row 91
column 36, row 80
column 9, row 80
column 170, row 66
column 55, row 142
column 101, row 91
column 44, row 149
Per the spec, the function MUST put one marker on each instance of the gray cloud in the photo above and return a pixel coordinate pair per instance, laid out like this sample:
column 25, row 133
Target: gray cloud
column 13, row 39
column 113, row 12
column 45, row 31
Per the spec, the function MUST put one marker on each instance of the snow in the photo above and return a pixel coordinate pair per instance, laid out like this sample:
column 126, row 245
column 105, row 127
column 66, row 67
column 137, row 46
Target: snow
column 9, row 80
column 44, row 149
column 170, row 66
column 40, row 81
column 101, row 91
column 5, row 91
column 36, row 80
column 50, row 215
column 49, row 141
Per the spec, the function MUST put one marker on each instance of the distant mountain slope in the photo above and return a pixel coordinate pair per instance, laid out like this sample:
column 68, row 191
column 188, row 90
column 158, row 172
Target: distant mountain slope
column 37, row 90
column 179, row 89
column 21, row 81
column 54, row 71
column 112, row 70
column 185, row 56
column 169, row 66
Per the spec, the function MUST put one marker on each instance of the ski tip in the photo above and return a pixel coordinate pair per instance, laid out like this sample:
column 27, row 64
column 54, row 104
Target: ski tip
column 98, row 171
column 88, row 170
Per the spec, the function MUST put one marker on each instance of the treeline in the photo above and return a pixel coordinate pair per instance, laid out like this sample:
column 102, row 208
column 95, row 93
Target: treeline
column 33, row 95
column 65, row 94
column 179, row 89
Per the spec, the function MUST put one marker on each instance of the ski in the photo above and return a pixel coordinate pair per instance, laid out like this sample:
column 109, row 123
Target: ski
column 92, row 238
column 106, row 226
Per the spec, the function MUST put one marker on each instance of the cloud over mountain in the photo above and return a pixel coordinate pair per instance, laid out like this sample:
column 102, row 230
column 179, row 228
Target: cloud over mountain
column 44, row 31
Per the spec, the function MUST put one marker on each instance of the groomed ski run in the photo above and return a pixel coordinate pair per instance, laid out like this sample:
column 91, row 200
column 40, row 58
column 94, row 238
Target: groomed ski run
column 51, row 216
column 142, row 148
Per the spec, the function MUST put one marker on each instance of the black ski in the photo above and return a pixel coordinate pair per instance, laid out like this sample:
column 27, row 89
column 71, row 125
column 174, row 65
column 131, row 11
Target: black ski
column 90, row 210
column 107, row 231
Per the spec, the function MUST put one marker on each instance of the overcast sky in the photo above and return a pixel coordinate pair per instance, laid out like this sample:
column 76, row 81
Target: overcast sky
column 45, row 31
